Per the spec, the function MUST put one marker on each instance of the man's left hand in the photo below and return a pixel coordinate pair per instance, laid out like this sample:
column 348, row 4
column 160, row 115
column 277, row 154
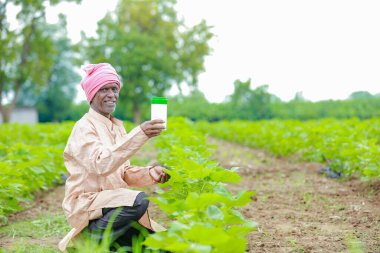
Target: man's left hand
column 158, row 174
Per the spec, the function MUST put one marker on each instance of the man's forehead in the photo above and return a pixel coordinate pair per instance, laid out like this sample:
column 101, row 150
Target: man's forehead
column 109, row 85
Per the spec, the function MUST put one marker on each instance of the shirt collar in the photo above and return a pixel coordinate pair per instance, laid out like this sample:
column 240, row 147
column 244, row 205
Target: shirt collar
column 108, row 122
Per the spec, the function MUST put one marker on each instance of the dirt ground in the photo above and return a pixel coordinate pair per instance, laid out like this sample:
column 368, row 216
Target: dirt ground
column 296, row 208
column 299, row 210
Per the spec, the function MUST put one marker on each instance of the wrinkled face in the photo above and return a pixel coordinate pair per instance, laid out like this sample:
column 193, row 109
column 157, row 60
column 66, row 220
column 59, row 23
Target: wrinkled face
column 104, row 101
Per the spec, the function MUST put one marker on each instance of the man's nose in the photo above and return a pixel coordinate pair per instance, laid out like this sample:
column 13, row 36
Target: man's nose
column 110, row 93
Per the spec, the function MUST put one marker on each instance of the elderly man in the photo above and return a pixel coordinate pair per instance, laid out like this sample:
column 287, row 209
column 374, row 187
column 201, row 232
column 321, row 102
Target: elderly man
column 97, row 158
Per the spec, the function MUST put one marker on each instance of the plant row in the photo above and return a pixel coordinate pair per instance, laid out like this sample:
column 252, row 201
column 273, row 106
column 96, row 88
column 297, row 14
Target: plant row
column 350, row 147
column 30, row 161
column 204, row 213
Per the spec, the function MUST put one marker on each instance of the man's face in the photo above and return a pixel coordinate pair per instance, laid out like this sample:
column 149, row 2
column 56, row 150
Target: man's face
column 104, row 101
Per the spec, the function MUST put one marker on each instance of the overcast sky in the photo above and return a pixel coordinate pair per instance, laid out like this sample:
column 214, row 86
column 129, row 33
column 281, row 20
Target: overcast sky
column 322, row 48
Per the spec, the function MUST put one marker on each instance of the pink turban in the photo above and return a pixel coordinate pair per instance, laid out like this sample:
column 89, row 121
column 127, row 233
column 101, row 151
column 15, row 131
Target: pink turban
column 98, row 75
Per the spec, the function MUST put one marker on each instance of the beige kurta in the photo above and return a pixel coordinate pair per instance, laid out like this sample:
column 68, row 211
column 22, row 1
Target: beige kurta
column 97, row 158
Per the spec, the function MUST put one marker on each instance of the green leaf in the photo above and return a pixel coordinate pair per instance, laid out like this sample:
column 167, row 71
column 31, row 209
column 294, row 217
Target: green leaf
column 206, row 235
column 236, row 245
column 243, row 198
column 213, row 212
column 242, row 230
column 222, row 175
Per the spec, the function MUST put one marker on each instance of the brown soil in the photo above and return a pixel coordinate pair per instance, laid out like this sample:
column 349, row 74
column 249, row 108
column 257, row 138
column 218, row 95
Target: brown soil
column 299, row 210
column 49, row 202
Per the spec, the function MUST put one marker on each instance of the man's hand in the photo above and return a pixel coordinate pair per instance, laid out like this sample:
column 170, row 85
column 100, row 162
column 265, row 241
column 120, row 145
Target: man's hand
column 158, row 174
column 153, row 127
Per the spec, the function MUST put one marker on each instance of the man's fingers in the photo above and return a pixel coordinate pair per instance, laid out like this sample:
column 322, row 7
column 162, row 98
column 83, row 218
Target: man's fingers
column 160, row 175
column 156, row 124
column 157, row 121
column 153, row 134
column 155, row 131
column 155, row 127
column 157, row 176
column 163, row 177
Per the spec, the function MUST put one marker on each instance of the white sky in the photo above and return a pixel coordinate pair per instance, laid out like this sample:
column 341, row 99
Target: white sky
column 323, row 48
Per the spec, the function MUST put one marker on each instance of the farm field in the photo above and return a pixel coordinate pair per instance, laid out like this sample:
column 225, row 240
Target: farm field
column 270, row 145
column 43, row 225
column 349, row 147
column 296, row 208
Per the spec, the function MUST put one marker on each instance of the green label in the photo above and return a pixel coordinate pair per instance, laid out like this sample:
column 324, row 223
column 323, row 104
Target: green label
column 159, row 100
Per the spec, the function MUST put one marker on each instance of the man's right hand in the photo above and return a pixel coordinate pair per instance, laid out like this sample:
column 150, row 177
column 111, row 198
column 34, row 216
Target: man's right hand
column 153, row 128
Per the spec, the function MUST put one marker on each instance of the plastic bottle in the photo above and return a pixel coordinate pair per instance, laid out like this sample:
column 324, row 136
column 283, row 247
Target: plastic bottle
column 159, row 108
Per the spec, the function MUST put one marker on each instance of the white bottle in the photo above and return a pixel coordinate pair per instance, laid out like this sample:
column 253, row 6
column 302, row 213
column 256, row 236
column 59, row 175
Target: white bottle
column 159, row 108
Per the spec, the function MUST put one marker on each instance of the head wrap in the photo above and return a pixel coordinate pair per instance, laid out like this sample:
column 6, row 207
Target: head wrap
column 98, row 75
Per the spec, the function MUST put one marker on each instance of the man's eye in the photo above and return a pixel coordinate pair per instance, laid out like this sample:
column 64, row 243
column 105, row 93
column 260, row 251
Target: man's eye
column 114, row 90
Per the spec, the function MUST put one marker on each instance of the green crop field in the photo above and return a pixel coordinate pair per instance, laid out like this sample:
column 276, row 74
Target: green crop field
column 31, row 160
column 350, row 147
column 196, row 198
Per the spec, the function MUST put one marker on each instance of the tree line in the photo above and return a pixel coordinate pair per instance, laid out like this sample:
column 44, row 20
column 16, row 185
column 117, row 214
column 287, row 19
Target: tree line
column 147, row 43
column 152, row 50
column 258, row 104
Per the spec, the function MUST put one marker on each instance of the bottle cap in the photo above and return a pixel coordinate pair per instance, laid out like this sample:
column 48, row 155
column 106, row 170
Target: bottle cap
column 159, row 100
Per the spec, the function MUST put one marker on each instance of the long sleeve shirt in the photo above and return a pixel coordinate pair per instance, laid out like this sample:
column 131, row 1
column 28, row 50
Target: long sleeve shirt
column 97, row 159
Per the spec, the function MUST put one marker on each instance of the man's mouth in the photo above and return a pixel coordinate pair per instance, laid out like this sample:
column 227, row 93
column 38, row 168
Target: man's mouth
column 110, row 102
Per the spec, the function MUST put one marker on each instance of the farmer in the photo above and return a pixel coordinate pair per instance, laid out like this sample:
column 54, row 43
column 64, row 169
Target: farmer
column 97, row 158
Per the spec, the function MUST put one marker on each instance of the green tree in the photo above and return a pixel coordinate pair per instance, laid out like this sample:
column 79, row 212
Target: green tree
column 242, row 93
column 194, row 106
column 261, row 101
column 249, row 104
column 77, row 111
column 26, row 51
column 360, row 95
column 298, row 97
column 56, row 99
column 150, row 48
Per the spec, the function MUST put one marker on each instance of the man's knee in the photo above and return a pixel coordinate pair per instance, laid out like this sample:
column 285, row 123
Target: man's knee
column 141, row 199
column 122, row 216
column 141, row 203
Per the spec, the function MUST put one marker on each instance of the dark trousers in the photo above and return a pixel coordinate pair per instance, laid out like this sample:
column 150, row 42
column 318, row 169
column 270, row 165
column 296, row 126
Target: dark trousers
column 124, row 229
